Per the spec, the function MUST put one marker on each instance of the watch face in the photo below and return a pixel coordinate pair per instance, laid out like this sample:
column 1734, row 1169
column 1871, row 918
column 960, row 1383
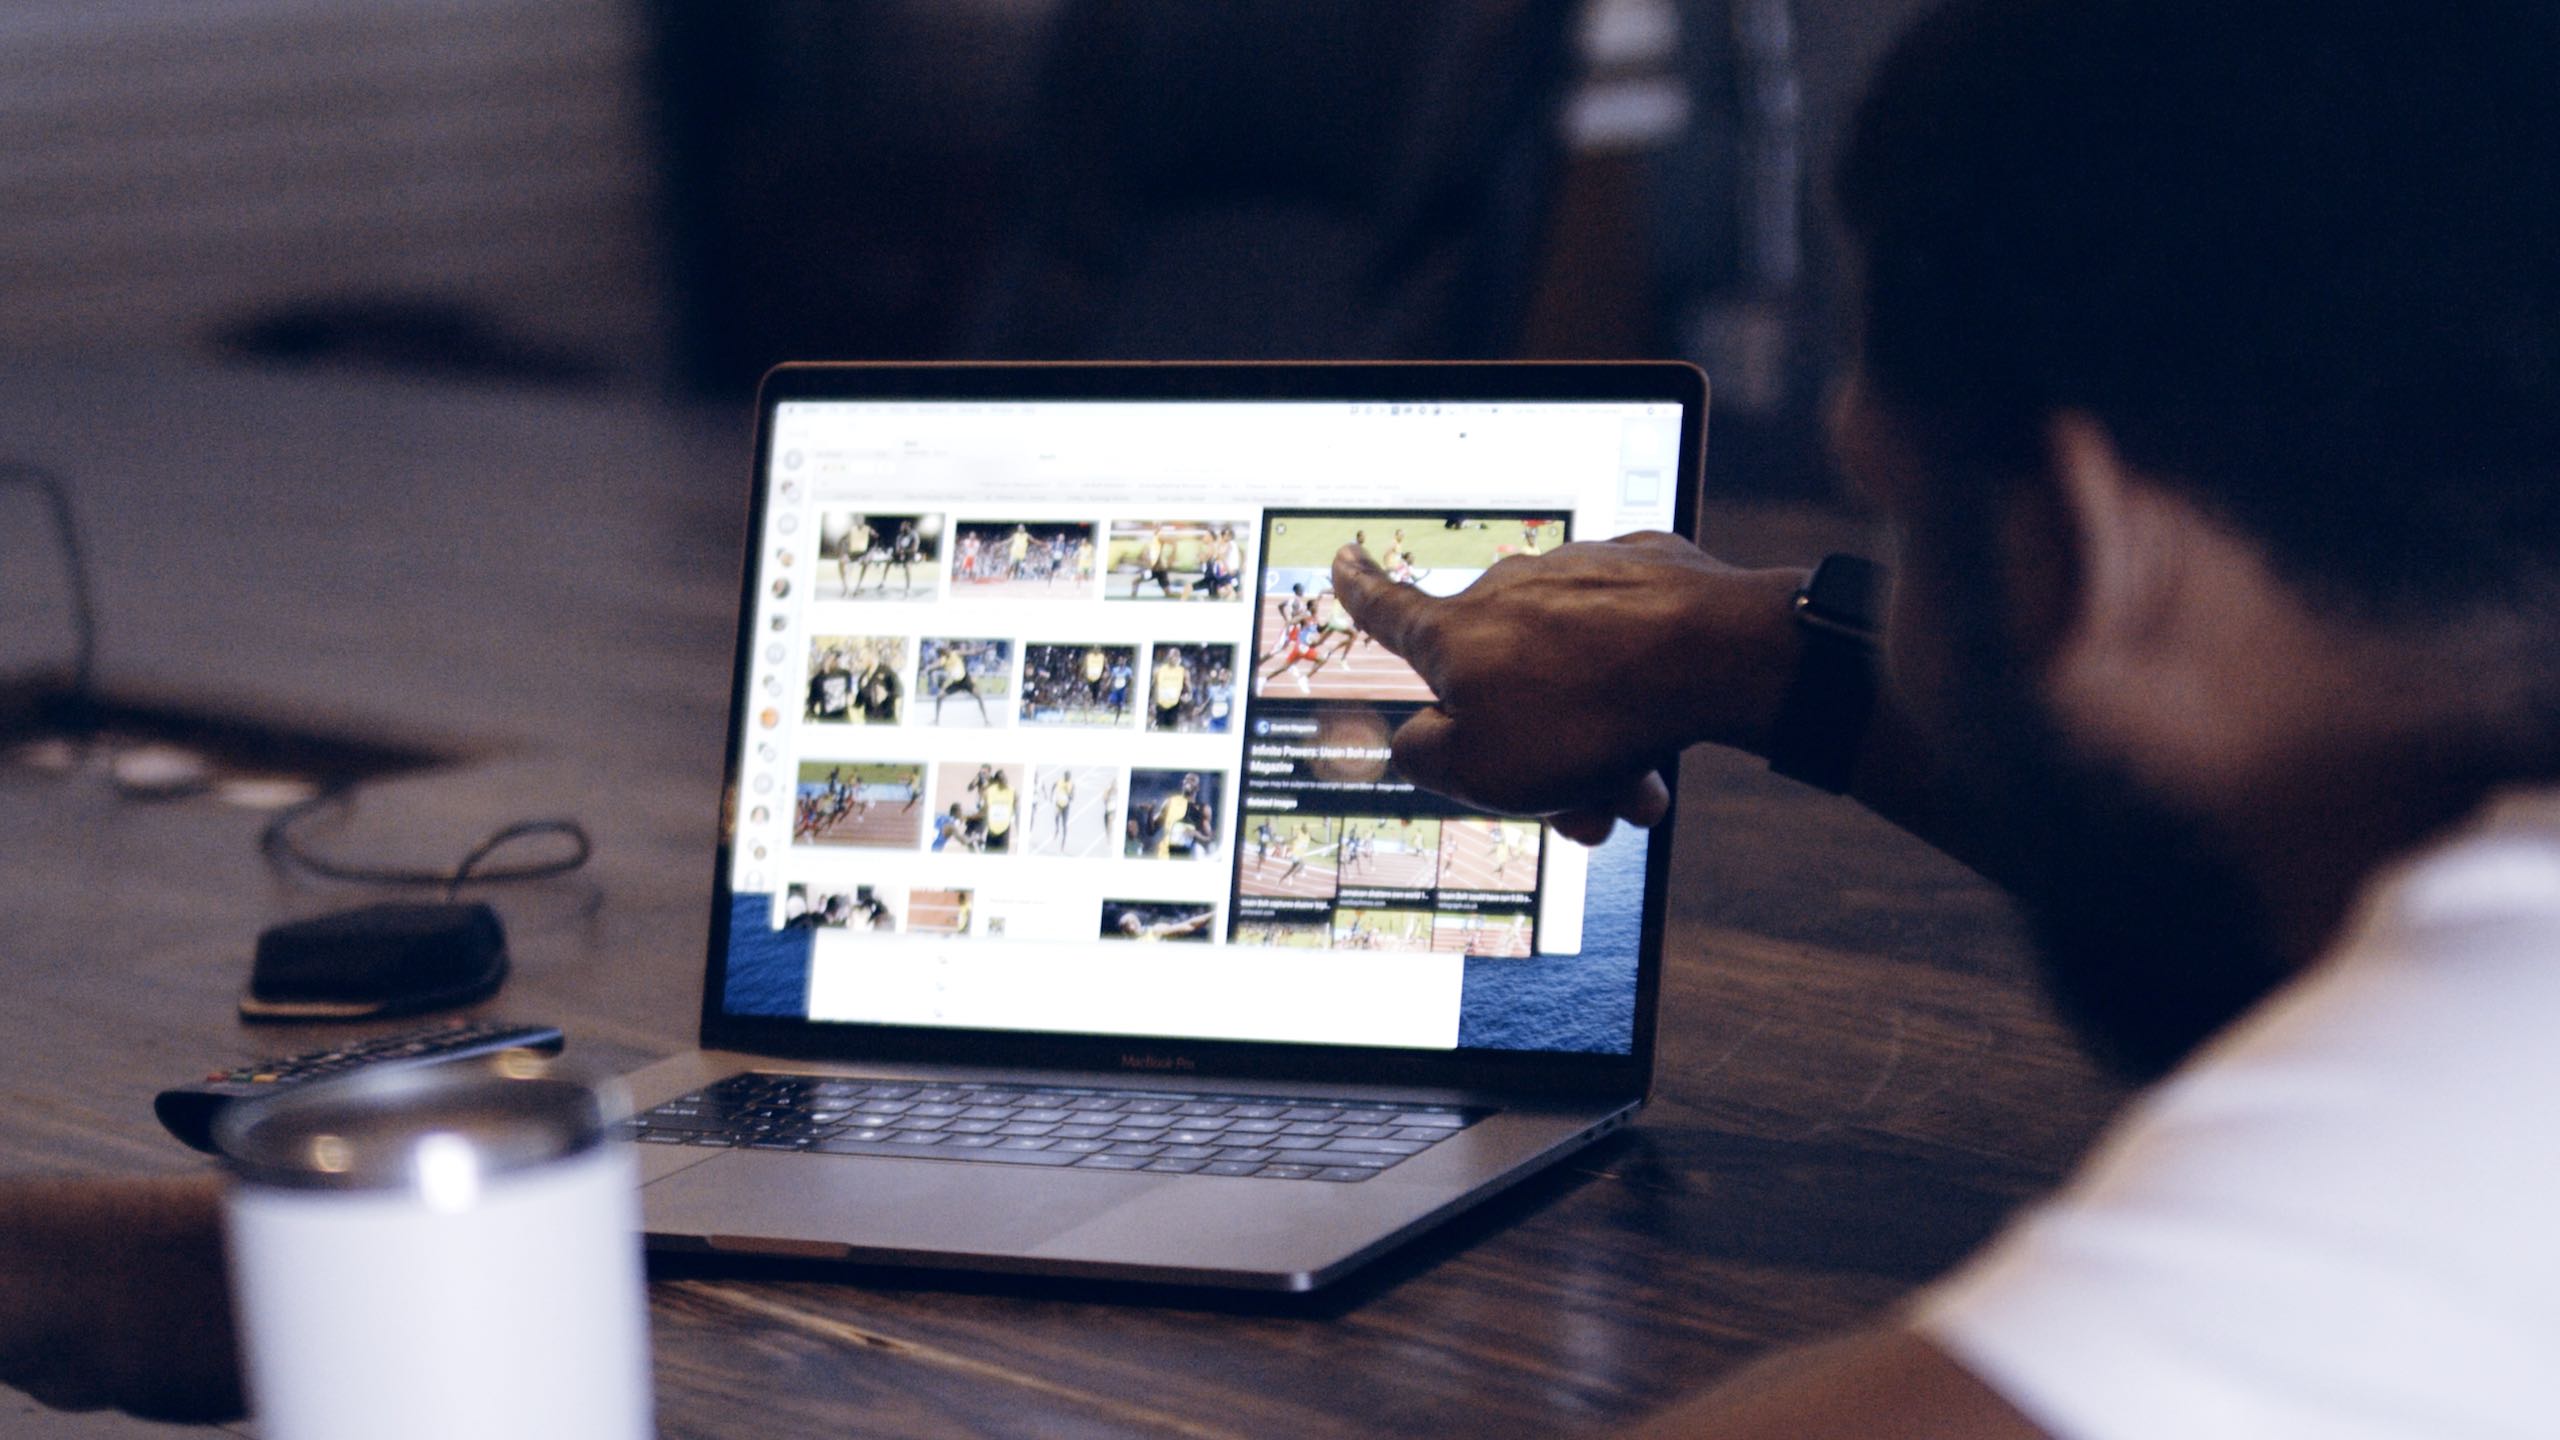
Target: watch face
column 1844, row 595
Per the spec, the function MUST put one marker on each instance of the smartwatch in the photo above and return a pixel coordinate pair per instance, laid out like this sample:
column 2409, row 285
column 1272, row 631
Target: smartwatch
column 1823, row 718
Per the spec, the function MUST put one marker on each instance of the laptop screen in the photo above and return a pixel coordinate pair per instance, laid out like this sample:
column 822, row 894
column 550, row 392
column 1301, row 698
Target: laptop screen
column 1049, row 720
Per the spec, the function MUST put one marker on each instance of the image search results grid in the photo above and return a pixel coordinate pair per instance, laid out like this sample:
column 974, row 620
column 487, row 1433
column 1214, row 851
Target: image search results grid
column 1113, row 743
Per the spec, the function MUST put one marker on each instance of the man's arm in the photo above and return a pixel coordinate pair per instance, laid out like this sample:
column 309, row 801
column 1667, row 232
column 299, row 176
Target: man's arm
column 1566, row 679
column 114, row 1293
column 1880, row 1384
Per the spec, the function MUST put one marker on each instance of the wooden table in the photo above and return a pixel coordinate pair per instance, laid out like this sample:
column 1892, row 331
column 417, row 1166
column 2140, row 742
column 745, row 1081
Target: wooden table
column 1855, row 1083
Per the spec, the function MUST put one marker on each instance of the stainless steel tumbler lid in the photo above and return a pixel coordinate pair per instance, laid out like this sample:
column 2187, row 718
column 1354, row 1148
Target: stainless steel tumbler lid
column 438, row 1131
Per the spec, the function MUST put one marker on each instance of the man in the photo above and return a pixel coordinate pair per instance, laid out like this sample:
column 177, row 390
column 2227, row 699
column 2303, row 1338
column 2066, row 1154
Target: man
column 1172, row 689
column 853, row 556
column 953, row 668
column 2210, row 379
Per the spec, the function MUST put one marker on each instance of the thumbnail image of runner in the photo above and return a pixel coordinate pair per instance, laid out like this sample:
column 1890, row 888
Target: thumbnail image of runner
column 1191, row 687
column 938, row 912
column 856, row 680
column 1304, row 642
column 1022, row 560
column 1318, row 936
column 1290, row 856
column 1489, row 855
column 1156, row 920
column 1174, row 560
column 964, row 684
column 1173, row 814
column 1079, row 684
column 1496, row 934
column 869, row 803
column 877, row 557
column 977, row 807
column 1389, row 853
column 814, row 908
column 1382, row 930
column 1074, row 811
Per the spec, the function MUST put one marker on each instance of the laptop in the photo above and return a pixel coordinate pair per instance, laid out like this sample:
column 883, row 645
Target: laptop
column 1071, row 917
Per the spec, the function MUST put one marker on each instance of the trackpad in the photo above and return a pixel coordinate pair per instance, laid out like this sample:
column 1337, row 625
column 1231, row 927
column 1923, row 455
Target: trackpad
column 881, row 1204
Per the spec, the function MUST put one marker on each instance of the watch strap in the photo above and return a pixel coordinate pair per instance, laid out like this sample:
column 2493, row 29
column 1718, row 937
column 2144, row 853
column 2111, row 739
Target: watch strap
column 1822, row 720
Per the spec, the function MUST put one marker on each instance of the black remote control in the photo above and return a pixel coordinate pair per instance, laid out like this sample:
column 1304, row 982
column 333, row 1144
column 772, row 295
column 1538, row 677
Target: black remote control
column 188, row 1111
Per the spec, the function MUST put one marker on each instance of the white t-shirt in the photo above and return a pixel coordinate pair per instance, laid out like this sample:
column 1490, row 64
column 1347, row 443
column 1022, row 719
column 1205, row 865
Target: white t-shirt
column 2341, row 1218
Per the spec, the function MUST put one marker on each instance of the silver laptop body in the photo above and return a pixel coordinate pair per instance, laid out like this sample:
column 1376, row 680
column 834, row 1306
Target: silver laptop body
column 1055, row 779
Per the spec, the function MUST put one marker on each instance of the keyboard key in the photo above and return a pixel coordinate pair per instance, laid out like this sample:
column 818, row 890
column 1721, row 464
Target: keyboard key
column 1286, row 1172
column 1001, row 1156
column 1082, row 1132
column 1111, row 1162
column 1080, row 1147
column 1245, row 1153
column 1311, row 1127
column 1045, row 1117
column 1437, row 1119
column 1198, row 1107
column 1342, row 1173
column 1148, row 1107
column 1250, row 1126
column 1175, row 1167
column 917, row 1137
column 1310, row 1112
column 971, row 1127
column 1190, row 1152
column 1020, row 1127
column 1257, row 1112
column 969, row 1142
column 1126, row 1148
column 1230, row 1167
column 1420, row 1132
column 1023, row 1142
column 1190, row 1137
column 1380, row 1147
column 1322, row 1158
column 1374, row 1132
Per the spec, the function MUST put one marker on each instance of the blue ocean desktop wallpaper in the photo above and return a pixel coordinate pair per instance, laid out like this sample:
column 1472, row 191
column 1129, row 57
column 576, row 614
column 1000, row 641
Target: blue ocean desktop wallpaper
column 1583, row 1004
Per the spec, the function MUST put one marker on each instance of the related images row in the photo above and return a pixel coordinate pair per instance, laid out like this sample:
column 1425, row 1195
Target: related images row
column 973, row 684
column 904, row 557
column 1314, row 857
column 1002, row 808
column 955, row 912
column 1447, row 932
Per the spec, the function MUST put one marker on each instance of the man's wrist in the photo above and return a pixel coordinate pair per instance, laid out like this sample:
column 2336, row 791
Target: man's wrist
column 1750, row 649
column 1823, row 716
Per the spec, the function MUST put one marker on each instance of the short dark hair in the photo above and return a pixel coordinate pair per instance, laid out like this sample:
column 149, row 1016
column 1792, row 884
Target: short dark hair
column 2301, row 256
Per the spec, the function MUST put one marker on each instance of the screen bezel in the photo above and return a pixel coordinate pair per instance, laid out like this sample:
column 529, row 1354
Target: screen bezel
column 1558, row 1072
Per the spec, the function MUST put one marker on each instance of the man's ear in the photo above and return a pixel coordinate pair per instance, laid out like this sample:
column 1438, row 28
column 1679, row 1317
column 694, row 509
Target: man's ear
column 2125, row 649
column 2125, row 552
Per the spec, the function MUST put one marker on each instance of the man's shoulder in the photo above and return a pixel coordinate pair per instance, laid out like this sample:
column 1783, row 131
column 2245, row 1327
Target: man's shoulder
column 2338, row 1208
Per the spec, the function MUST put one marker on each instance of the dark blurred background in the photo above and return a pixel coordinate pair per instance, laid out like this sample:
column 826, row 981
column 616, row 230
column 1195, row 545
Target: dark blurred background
column 669, row 195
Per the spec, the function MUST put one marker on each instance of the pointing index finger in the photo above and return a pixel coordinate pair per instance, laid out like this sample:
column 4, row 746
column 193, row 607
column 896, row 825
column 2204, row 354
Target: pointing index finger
column 1393, row 614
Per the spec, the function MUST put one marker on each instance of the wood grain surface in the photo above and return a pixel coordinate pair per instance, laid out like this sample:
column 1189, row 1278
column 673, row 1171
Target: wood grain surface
column 1856, row 1081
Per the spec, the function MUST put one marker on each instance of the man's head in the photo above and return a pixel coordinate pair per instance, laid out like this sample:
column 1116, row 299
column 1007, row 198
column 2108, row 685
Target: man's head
column 2211, row 370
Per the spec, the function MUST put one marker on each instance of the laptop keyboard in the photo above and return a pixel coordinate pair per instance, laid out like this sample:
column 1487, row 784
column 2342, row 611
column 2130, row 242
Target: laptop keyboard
column 1339, row 1141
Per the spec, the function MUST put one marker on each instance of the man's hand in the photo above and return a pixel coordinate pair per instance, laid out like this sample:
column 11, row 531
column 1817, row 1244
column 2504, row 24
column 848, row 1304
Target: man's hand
column 1565, row 680
column 113, row 1293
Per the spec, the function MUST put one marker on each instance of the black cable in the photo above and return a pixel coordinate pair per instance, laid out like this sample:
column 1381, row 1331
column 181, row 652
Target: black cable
column 281, row 847
column 75, row 564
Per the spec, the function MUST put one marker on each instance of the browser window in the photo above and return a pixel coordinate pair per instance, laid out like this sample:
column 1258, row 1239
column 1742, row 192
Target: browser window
column 1056, row 724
